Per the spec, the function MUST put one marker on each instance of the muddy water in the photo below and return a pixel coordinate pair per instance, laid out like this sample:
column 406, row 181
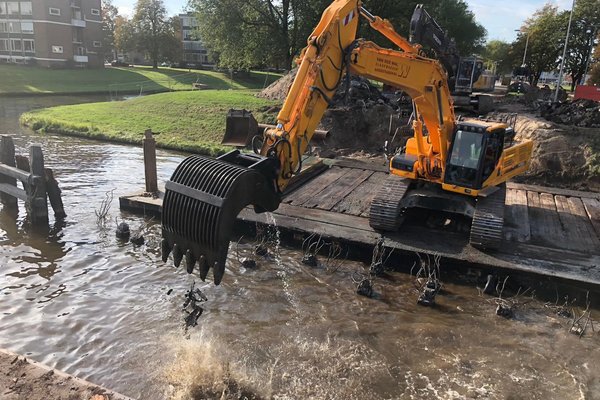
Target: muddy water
column 78, row 299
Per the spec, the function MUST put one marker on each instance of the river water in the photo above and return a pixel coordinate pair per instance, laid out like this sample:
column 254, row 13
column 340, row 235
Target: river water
column 79, row 300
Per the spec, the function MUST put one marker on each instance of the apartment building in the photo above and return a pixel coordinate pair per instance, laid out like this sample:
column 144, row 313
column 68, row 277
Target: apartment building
column 194, row 51
column 52, row 33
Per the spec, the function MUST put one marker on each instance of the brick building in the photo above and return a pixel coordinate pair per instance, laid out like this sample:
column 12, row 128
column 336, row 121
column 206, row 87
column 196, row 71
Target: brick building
column 52, row 33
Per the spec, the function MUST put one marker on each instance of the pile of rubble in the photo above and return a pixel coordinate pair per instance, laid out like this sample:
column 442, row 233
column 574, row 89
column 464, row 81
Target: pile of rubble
column 582, row 112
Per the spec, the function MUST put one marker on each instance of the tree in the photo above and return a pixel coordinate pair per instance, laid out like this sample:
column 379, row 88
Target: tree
column 124, row 33
column 452, row 15
column 546, row 30
column 109, row 15
column 150, row 22
column 170, row 46
column 499, row 52
column 585, row 25
column 256, row 32
column 272, row 32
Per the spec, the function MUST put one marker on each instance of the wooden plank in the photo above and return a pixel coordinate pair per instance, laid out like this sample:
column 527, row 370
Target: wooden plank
column 149, row 149
column 536, row 217
column 311, row 168
column 339, row 190
column 552, row 226
column 359, row 201
column 592, row 207
column 573, row 225
column 376, row 166
column 38, row 199
column 312, row 188
column 7, row 157
column 544, row 222
column 14, row 172
column 329, row 217
column 297, row 222
column 577, row 208
column 516, row 226
column 13, row 191
column 544, row 189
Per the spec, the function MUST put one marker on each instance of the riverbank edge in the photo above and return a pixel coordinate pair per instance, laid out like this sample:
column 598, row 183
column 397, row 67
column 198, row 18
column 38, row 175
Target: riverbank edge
column 89, row 93
column 21, row 373
column 101, row 137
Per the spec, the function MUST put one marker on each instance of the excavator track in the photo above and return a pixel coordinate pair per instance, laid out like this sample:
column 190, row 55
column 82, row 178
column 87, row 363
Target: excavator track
column 386, row 213
column 488, row 221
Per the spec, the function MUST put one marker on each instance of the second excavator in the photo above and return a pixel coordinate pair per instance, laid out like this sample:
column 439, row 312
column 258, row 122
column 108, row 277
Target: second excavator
column 448, row 165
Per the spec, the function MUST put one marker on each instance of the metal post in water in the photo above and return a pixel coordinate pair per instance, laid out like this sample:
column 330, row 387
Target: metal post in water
column 150, row 162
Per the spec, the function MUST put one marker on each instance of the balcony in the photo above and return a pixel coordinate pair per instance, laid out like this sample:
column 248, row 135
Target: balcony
column 80, row 59
column 78, row 23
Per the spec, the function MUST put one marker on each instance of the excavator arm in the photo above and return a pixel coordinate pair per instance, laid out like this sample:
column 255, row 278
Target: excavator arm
column 205, row 195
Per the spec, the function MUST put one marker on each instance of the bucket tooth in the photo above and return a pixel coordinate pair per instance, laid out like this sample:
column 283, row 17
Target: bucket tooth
column 218, row 272
column 203, row 199
column 165, row 249
column 203, row 268
column 177, row 255
column 190, row 261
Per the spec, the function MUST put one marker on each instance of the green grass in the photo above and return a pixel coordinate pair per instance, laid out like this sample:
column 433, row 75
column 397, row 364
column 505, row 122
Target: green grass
column 189, row 121
column 16, row 79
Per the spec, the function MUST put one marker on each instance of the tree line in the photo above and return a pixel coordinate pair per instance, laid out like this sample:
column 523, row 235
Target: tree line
column 271, row 33
column 544, row 33
column 149, row 31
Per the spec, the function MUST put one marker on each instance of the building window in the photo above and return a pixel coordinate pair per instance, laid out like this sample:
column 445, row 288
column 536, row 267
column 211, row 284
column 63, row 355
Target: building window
column 12, row 7
column 3, row 27
column 27, row 27
column 95, row 11
column 26, row 8
column 97, row 44
column 3, row 44
column 28, row 46
column 14, row 27
column 15, row 44
column 2, row 8
column 54, row 11
column 57, row 49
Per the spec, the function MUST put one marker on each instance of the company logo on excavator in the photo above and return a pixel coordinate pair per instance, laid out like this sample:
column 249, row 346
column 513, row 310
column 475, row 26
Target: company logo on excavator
column 392, row 67
column 349, row 17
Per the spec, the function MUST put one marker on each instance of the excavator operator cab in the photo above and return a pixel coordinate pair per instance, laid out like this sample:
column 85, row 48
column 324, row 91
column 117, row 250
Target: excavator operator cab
column 474, row 154
column 469, row 71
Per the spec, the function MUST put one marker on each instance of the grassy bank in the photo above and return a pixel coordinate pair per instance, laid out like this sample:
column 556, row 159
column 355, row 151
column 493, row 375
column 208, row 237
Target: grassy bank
column 189, row 121
column 34, row 80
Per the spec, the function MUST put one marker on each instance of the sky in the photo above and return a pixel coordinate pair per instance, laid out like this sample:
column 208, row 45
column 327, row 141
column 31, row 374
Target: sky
column 500, row 18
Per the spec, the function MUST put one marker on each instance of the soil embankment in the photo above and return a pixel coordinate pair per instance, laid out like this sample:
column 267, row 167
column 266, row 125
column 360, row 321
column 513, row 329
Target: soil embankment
column 25, row 379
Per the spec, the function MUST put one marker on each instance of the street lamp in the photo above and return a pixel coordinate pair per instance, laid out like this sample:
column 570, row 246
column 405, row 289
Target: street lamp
column 562, row 62
column 526, row 46
column 592, row 32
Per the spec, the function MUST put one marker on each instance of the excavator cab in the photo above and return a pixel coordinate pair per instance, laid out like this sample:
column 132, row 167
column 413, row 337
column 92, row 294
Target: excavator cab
column 474, row 155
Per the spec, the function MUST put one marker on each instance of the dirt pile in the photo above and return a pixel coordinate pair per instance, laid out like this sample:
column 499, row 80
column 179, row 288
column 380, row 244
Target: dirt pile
column 582, row 112
column 563, row 156
column 358, row 118
column 279, row 89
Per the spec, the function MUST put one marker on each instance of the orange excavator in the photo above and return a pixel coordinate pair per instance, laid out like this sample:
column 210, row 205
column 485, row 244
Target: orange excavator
column 448, row 165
